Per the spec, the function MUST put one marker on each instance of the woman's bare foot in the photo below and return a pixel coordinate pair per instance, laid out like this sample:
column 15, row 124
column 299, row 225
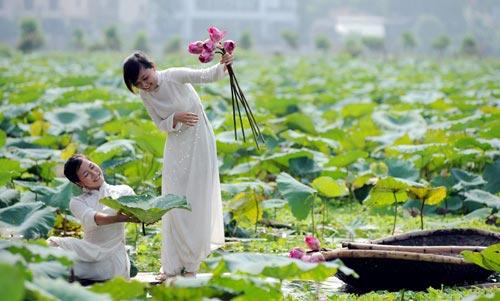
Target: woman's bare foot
column 189, row 274
column 162, row 277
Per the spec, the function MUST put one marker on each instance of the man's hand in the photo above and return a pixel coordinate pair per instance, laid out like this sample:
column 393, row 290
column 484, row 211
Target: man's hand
column 122, row 217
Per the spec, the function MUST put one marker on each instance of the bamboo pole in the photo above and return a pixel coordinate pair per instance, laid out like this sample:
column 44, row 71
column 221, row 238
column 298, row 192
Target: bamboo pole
column 413, row 249
column 381, row 254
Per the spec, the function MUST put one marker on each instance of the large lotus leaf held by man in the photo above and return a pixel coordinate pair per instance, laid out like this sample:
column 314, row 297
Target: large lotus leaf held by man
column 148, row 209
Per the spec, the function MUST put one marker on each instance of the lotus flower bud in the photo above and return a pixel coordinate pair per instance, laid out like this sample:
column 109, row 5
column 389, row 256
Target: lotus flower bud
column 216, row 35
column 296, row 253
column 229, row 46
column 206, row 56
column 317, row 257
column 312, row 242
column 195, row 47
column 208, row 46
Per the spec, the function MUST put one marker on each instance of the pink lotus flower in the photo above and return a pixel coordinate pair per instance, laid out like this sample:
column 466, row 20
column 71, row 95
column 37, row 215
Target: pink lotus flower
column 206, row 56
column 215, row 34
column 195, row 47
column 229, row 46
column 306, row 258
column 312, row 242
column 317, row 257
column 215, row 44
column 296, row 253
column 208, row 45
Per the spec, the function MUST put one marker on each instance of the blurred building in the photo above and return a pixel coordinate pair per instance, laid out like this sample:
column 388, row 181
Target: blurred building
column 365, row 26
column 59, row 18
column 265, row 20
column 342, row 25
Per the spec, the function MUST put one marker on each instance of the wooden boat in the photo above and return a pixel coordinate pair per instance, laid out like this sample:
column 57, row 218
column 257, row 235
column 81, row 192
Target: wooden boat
column 443, row 237
column 415, row 260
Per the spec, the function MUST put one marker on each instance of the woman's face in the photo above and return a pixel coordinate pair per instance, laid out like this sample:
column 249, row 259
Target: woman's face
column 147, row 79
column 90, row 175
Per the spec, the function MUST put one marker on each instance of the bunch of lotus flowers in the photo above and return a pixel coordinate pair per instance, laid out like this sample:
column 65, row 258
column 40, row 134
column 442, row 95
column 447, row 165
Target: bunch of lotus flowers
column 314, row 245
column 206, row 51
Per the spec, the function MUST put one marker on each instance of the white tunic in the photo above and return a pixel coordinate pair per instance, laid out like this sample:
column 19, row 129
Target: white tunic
column 101, row 254
column 190, row 168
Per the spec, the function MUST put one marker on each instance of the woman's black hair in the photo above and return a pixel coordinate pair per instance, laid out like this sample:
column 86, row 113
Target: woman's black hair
column 131, row 67
column 71, row 167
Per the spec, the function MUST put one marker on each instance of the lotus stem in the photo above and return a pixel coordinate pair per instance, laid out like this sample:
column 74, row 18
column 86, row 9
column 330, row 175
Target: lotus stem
column 237, row 96
column 234, row 112
column 395, row 212
column 422, row 215
column 233, row 90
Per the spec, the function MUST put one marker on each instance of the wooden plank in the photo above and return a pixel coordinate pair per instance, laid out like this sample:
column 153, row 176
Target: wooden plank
column 150, row 277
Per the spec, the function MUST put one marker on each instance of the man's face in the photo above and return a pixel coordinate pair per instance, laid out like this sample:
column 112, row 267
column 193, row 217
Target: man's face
column 90, row 175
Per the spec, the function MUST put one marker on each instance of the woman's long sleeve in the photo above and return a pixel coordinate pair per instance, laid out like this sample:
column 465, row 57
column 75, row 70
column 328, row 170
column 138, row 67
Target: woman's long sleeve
column 83, row 213
column 167, row 124
column 196, row 76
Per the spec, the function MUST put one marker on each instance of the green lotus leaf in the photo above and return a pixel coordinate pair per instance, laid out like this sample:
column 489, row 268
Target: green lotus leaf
column 43, row 288
column 403, row 169
column 431, row 196
column 301, row 122
column 67, row 119
column 57, row 197
column 121, row 289
column 298, row 195
column 3, row 138
column 234, row 188
column 12, row 279
column 483, row 197
column 488, row 258
column 11, row 169
column 347, row 158
column 284, row 157
column 8, row 197
column 148, row 209
column 37, row 251
column 492, row 176
column 408, row 121
column 31, row 220
column 330, row 187
column 466, row 179
column 387, row 191
column 273, row 203
column 274, row 266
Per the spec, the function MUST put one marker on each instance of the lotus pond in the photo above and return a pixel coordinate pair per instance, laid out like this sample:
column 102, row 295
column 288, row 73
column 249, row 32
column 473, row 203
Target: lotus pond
column 355, row 149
